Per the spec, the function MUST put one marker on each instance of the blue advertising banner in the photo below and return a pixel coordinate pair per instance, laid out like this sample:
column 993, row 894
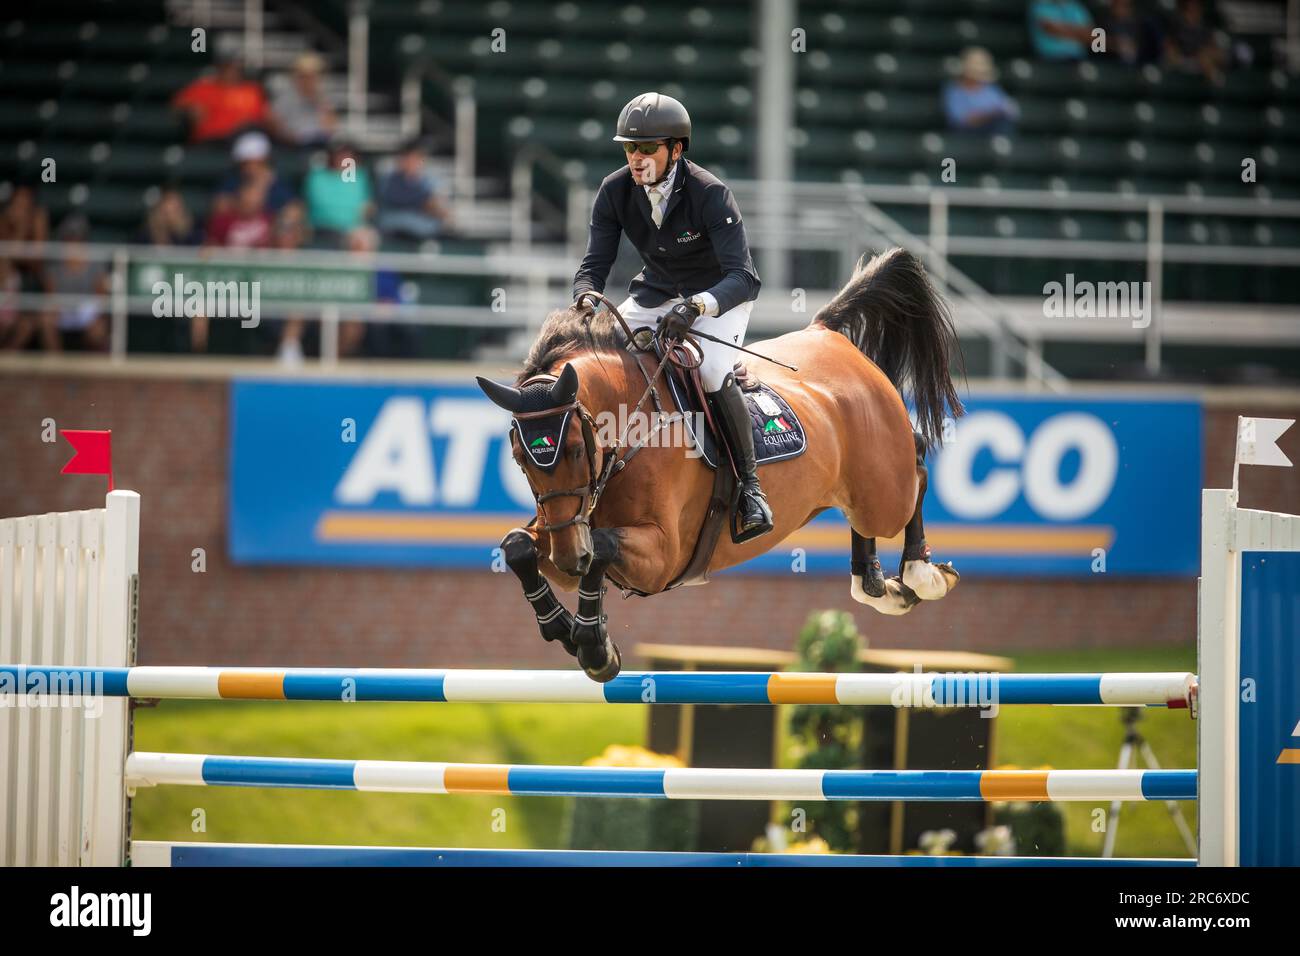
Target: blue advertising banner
column 422, row 475
column 1269, row 737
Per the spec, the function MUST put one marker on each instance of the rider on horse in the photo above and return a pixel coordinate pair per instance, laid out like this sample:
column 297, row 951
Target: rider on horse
column 685, row 224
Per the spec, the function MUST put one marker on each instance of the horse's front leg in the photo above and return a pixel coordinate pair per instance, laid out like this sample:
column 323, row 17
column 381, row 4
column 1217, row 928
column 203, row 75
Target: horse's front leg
column 553, row 619
column 598, row 655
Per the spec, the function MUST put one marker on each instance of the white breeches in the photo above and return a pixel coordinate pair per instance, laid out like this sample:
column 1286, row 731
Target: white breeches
column 718, row 359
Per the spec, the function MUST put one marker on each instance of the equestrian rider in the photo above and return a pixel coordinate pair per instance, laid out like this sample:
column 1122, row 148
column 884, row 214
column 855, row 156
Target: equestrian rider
column 686, row 226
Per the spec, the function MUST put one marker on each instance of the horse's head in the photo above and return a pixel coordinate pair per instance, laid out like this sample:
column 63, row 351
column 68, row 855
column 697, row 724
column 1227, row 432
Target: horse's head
column 553, row 437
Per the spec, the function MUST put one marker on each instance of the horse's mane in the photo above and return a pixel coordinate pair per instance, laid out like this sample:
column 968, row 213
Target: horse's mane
column 566, row 332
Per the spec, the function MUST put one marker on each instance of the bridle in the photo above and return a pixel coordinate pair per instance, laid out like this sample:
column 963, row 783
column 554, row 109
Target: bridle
column 588, row 494
column 611, row 463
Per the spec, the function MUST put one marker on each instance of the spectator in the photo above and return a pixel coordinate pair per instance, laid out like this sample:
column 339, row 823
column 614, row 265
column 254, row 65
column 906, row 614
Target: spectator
column 24, row 220
column 338, row 195
column 290, row 233
column 168, row 221
column 383, row 339
column 290, row 228
column 973, row 101
column 80, row 324
column 251, row 154
column 1060, row 29
column 246, row 224
column 1130, row 38
column 303, row 116
column 408, row 199
column 362, row 242
column 17, row 326
column 1190, row 45
column 223, row 104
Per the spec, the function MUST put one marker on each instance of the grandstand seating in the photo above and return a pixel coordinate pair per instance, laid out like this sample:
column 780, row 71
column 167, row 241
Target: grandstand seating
column 95, row 77
column 868, row 111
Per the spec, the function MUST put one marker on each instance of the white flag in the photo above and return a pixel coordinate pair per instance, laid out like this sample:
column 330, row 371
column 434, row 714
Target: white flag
column 1257, row 441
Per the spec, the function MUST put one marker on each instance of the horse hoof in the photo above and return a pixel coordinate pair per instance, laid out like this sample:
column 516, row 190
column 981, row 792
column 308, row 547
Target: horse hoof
column 598, row 655
column 874, row 580
column 929, row 581
column 606, row 672
column 898, row 598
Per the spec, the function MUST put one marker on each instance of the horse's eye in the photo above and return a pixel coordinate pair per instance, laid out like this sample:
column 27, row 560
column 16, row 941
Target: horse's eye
column 575, row 452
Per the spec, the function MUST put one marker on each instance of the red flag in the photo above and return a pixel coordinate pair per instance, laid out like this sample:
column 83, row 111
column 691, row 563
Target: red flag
column 93, row 453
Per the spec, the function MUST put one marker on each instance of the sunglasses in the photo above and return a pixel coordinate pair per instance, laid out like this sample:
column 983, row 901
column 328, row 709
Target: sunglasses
column 645, row 149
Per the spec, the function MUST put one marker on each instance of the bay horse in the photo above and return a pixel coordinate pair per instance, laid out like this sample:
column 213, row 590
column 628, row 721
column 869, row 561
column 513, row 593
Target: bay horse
column 632, row 514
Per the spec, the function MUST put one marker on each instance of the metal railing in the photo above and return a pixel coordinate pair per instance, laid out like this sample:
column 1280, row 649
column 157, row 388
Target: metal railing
column 846, row 219
column 464, row 122
column 530, row 286
column 841, row 210
column 840, row 218
column 859, row 225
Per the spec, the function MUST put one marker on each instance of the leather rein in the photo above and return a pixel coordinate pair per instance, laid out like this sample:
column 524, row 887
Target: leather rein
column 611, row 461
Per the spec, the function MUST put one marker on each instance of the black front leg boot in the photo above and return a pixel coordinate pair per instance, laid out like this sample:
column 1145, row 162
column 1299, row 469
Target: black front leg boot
column 753, row 515
column 597, row 653
column 553, row 619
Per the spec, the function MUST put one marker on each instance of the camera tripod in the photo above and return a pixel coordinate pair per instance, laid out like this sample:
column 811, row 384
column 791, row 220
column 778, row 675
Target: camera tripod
column 1134, row 746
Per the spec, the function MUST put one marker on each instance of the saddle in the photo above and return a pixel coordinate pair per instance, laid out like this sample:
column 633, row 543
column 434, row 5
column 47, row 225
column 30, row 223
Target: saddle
column 778, row 435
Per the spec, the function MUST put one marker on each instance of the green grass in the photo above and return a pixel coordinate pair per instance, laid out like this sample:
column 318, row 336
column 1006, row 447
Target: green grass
column 1090, row 737
column 472, row 733
column 1028, row 737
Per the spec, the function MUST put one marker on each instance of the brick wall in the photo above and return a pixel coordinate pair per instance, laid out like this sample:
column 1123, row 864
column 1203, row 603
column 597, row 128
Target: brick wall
column 169, row 433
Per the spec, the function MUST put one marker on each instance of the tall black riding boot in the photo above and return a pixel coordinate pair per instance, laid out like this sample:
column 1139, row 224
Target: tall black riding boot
column 753, row 515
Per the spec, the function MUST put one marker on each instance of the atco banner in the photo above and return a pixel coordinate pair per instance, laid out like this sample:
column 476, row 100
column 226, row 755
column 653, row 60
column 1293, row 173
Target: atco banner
column 422, row 475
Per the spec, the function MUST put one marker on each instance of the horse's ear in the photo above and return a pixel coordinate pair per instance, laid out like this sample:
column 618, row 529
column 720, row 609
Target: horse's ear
column 565, row 389
column 504, row 396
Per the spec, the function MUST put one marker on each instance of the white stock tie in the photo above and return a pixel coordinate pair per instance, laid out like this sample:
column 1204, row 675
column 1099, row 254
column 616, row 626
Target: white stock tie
column 657, row 203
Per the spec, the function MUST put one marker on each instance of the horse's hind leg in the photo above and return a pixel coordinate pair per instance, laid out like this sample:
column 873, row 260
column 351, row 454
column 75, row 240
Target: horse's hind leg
column 917, row 580
column 868, row 585
column 927, row 581
column 864, row 567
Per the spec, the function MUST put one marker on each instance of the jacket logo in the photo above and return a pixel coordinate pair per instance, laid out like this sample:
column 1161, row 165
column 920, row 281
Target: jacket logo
column 688, row 236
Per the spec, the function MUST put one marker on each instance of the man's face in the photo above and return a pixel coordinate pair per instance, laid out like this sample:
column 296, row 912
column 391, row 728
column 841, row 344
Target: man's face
column 307, row 81
column 647, row 167
column 253, row 169
column 250, row 198
column 412, row 163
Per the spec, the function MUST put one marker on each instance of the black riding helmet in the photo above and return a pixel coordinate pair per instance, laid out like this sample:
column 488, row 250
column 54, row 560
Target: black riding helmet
column 653, row 116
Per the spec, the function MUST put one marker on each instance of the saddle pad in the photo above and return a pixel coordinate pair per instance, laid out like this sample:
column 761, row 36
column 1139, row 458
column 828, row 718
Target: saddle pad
column 778, row 433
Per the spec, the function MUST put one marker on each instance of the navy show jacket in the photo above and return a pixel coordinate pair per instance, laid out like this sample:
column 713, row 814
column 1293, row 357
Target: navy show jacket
column 701, row 246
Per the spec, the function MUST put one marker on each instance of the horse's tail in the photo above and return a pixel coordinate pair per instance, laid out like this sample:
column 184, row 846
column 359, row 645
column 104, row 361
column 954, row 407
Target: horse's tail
column 896, row 318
